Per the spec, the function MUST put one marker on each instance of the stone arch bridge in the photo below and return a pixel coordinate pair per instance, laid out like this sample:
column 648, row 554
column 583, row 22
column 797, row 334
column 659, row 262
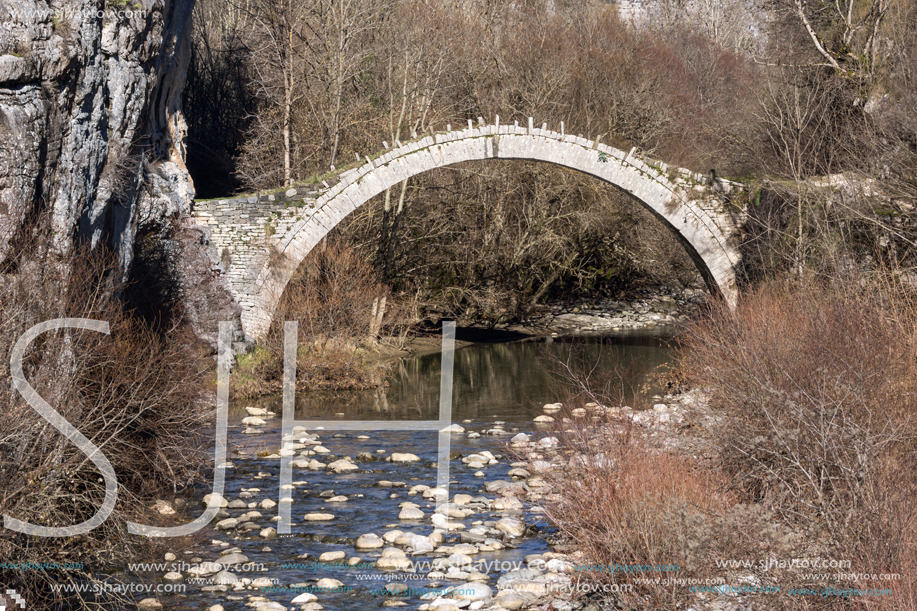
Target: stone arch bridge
column 261, row 239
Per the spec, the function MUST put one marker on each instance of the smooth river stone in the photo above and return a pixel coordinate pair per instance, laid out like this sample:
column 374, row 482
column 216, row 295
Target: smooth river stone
column 369, row 541
column 404, row 457
column 411, row 513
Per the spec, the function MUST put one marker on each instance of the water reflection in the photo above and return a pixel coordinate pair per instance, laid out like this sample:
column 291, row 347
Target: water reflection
column 497, row 381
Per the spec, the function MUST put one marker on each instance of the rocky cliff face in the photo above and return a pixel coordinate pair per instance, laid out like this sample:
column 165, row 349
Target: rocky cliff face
column 90, row 121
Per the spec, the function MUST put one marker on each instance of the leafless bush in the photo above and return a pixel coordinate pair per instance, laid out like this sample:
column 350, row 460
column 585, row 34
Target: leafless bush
column 347, row 320
column 333, row 294
column 134, row 393
column 818, row 383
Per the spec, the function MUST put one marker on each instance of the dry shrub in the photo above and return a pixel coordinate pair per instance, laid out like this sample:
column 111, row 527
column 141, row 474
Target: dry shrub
column 134, row 393
column 818, row 385
column 332, row 297
column 622, row 503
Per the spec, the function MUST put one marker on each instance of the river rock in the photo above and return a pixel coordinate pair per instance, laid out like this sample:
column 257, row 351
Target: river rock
column 421, row 544
column 509, row 600
column 259, row 412
column 459, row 560
column 557, row 565
column 305, row 597
column 396, row 589
column 411, row 513
column 520, row 439
column 233, row 558
column 205, row 568
column 452, row 510
column 404, row 457
column 224, row 578
column 332, row 556
column 149, row 603
column 392, row 536
column 508, row 503
column 513, row 527
column 393, row 561
column 342, row 466
column 217, row 499
column 548, row 442
column 268, row 504
column 227, row 524
column 369, row 541
column 318, row 517
column 268, row 533
column 435, row 493
column 472, row 591
column 163, row 507
column 544, row 419
column 172, row 576
column 455, row 428
column 253, row 421
column 328, row 583
column 511, row 578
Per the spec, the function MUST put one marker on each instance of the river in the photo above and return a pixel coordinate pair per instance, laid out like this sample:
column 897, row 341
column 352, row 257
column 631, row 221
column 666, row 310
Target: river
column 495, row 385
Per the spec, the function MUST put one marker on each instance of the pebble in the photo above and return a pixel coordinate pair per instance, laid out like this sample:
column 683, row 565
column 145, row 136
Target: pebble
column 513, row 527
column 217, row 499
column 369, row 541
column 404, row 457
column 411, row 513
column 342, row 466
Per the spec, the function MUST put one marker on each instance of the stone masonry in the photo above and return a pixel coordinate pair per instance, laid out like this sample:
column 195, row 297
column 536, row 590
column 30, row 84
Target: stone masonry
column 262, row 239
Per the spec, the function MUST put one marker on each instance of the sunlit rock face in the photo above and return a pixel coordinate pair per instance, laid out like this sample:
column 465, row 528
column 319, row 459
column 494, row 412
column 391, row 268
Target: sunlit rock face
column 90, row 121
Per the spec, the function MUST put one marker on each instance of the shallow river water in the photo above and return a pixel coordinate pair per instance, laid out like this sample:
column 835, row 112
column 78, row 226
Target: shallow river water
column 493, row 383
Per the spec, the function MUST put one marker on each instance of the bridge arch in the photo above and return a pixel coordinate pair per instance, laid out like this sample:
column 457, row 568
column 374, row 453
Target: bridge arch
column 260, row 268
